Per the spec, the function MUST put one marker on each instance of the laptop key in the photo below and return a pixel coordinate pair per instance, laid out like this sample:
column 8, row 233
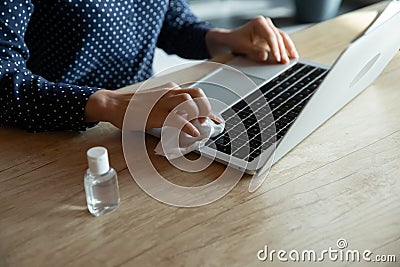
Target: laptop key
column 238, row 143
column 255, row 143
column 251, row 120
column 241, row 153
column 254, row 154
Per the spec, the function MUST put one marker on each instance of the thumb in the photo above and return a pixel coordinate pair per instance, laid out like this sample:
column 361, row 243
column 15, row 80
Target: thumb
column 257, row 53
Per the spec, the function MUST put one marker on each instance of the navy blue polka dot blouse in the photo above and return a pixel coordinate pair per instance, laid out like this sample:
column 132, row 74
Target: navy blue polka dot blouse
column 55, row 54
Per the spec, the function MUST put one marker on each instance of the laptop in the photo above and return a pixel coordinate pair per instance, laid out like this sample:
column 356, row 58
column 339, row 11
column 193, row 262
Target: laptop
column 285, row 103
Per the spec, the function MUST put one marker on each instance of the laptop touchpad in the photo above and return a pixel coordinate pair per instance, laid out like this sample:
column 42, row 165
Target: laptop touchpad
column 227, row 85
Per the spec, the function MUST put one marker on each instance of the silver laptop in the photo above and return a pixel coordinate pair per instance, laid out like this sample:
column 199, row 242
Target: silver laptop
column 286, row 103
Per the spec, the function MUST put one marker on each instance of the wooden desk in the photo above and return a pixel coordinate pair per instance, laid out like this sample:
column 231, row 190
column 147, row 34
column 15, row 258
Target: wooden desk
column 341, row 182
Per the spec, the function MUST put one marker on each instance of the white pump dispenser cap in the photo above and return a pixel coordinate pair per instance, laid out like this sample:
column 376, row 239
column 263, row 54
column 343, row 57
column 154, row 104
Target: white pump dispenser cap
column 98, row 160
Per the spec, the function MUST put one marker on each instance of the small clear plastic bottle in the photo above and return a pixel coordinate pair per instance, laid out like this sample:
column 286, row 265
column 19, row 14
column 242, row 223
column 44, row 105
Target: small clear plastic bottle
column 101, row 183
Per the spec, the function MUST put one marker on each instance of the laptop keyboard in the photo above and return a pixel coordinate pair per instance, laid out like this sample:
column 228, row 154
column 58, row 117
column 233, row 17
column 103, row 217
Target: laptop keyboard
column 250, row 127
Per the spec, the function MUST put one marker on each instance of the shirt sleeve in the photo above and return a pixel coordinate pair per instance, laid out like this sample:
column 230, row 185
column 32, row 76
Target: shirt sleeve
column 182, row 32
column 27, row 100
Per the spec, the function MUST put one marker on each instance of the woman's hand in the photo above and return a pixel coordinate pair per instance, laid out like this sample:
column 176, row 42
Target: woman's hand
column 258, row 39
column 152, row 105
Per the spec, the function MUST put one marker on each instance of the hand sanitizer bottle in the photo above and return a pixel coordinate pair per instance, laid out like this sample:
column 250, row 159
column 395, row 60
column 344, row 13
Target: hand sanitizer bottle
column 101, row 183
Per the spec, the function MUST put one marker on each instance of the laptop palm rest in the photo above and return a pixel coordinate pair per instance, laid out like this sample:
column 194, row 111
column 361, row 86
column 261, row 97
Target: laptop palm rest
column 225, row 86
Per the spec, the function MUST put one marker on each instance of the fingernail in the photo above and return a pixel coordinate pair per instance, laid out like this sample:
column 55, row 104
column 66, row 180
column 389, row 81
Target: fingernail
column 287, row 60
column 296, row 54
column 202, row 119
column 217, row 121
column 196, row 133
column 215, row 118
column 278, row 57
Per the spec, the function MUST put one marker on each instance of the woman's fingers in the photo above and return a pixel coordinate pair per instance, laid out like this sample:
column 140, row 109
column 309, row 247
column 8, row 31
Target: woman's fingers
column 185, row 104
column 180, row 106
column 281, row 46
column 257, row 53
column 200, row 99
column 191, row 101
column 215, row 118
column 156, row 105
column 178, row 121
column 263, row 30
column 290, row 47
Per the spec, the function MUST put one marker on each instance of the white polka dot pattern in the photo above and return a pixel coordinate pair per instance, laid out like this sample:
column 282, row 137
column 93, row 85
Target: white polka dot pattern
column 55, row 54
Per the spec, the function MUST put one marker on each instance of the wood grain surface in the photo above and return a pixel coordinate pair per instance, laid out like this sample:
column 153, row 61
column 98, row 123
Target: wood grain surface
column 341, row 182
